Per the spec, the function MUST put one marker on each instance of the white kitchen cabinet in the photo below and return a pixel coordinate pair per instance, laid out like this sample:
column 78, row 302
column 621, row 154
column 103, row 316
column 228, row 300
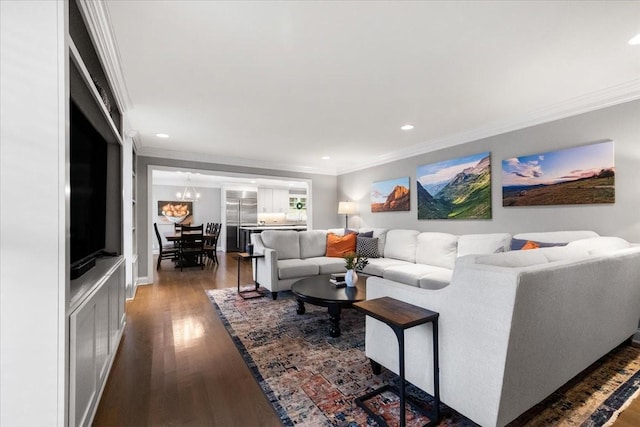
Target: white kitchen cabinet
column 265, row 200
column 95, row 329
column 280, row 201
column 273, row 200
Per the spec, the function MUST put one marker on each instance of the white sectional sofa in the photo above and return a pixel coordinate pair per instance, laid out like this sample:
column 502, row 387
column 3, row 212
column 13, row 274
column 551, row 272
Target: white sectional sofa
column 515, row 326
column 408, row 256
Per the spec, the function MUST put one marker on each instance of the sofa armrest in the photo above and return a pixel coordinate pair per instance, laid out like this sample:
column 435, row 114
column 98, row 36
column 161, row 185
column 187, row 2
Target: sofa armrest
column 266, row 273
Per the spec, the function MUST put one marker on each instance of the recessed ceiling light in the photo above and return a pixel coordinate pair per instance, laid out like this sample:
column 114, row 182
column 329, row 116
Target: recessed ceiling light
column 635, row 40
column 162, row 135
column 253, row 181
column 407, row 127
column 326, row 157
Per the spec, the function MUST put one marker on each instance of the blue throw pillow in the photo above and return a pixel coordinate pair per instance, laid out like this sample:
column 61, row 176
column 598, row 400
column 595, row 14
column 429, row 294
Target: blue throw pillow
column 364, row 234
column 517, row 244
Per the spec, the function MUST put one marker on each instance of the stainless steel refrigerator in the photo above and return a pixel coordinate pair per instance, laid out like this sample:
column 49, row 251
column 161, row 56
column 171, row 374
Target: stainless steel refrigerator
column 242, row 209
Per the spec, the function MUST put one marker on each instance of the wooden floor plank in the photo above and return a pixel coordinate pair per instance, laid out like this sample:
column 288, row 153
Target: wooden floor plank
column 177, row 365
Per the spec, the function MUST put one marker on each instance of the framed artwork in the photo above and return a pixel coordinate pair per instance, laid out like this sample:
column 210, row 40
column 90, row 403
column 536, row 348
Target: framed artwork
column 175, row 212
column 391, row 195
column 577, row 175
column 455, row 189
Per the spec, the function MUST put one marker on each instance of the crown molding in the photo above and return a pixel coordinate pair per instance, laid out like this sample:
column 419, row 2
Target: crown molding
column 233, row 161
column 96, row 16
column 608, row 97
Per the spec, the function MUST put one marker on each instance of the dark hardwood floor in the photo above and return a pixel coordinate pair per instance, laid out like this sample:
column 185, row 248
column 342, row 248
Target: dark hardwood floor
column 176, row 365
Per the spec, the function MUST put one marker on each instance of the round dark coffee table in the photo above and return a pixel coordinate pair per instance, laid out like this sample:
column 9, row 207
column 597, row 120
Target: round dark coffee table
column 317, row 290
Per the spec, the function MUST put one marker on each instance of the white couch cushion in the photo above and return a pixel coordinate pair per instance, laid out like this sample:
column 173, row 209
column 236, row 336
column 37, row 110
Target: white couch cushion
column 412, row 273
column 328, row 265
column 561, row 253
column 600, row 245
column 290, row 268
column 436, row 279
column 313, row 243
column 377, row 265
column 401, row 244
column 556, row 236
column 483, row 244
column 437, row 249
column 514, row 259
column 284, row 242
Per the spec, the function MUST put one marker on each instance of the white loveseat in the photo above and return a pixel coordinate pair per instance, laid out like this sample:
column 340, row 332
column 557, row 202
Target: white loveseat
column 515, row 326
column 408, row 256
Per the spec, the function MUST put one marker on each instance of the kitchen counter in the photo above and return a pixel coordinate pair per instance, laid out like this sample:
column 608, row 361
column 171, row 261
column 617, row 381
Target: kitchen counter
column 259, row 228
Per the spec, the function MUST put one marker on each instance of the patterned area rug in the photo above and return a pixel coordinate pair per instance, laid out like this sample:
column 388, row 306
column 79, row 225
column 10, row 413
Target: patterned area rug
column 312, row 379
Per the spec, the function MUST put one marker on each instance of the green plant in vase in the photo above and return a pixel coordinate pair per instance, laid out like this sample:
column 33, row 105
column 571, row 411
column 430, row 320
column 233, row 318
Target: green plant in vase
column 353, row 262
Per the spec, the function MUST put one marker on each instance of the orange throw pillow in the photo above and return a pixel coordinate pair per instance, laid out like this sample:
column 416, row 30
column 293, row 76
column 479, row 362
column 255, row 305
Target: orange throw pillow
column 530, row 245
column 337, row 246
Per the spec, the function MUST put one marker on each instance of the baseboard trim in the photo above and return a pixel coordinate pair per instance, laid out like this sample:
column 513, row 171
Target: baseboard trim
column 635, row 340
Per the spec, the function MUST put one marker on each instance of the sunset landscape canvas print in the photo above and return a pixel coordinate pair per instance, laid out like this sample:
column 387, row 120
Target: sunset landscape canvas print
column 579, row 175
column 391, row 195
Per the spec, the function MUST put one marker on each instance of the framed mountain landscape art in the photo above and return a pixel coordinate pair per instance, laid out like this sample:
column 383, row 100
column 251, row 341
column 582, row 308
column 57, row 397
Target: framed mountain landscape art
column 455, row 189
column 577, row 175
column 391, row 195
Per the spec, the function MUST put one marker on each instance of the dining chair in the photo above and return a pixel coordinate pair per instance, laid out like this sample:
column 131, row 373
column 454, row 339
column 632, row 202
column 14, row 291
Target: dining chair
column 167, row 251
column 217, row 227
column 191, row 246
column 209, row 246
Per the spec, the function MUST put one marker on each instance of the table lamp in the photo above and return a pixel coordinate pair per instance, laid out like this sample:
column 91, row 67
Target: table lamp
column 346, row 209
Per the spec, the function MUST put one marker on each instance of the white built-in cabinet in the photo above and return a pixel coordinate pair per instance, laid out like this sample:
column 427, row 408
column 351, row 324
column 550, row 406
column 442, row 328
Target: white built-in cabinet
column 96, row 324
column 96, row 317
column 273, row 200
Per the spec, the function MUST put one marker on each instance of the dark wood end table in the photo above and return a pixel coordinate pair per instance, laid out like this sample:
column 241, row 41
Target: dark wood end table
column 399, row 315
column 317, row 290
column 251, row 292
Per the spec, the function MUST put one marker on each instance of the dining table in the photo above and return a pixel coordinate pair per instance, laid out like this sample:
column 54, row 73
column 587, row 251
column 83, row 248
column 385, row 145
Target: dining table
column 174, row 236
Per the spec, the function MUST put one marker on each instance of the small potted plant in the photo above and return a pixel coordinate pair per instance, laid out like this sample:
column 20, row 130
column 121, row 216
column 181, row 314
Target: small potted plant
column 353, row 262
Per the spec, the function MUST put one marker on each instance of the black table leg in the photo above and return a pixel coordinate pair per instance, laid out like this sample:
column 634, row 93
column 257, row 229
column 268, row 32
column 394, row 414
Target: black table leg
column 300, row 309
column 334, row 320
column 400, row 336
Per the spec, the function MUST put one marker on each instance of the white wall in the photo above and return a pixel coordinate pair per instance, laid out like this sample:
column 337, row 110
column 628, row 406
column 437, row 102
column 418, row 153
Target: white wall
column 207, row 209
column 33, row 247
column 620, row 123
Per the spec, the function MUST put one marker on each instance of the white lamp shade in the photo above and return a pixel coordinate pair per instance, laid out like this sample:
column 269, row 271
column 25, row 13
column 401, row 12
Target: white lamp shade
column 346, row 208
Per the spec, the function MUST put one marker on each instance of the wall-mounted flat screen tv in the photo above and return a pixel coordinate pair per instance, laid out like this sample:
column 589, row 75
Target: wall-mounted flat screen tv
column 88, row 181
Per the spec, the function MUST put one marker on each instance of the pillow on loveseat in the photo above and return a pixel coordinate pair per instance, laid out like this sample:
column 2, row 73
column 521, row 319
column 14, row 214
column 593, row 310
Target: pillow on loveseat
column 338, row 246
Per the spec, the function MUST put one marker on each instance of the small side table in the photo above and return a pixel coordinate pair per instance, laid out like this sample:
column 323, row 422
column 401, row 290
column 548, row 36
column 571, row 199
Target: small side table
column 248, row 293
column 399, row 316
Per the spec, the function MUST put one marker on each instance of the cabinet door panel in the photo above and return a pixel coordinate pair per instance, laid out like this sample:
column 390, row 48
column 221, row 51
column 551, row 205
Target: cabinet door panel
column 114, row 321
column 82, row 375
column 102, row 330
column 121, row 295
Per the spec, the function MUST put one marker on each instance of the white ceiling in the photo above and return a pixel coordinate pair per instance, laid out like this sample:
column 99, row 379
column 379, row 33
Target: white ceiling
column 281, row 84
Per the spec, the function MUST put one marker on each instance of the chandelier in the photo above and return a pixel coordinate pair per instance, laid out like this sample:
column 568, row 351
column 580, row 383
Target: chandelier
column 189, row 194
